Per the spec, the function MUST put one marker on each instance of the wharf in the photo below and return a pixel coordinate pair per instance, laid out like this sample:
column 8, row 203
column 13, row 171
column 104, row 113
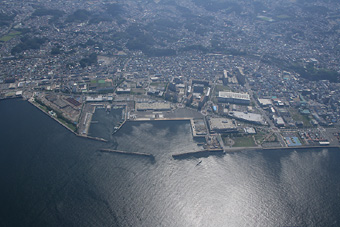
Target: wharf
column 127, row 153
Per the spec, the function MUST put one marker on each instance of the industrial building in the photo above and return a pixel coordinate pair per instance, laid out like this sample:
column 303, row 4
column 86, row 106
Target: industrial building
column 232, row 97
column 99, row 98
column 265, row 102
column 143, row 106
column 222, row 125
column 248, row 117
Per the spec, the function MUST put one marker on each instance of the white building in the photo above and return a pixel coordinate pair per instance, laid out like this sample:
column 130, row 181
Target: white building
column 232, row 97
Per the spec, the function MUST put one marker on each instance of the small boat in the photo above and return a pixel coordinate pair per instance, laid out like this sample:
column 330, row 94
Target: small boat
column 199, row 163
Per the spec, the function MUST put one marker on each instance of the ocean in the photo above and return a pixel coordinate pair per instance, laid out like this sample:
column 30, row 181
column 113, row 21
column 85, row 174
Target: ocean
column 50, row 177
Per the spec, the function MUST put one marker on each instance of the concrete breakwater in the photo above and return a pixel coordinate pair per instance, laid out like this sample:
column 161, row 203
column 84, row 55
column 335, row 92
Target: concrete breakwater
column 198, row 154
column 159, row 119
column 93, row 138
column 127, row 153
column 61, row 123
column 239, row 149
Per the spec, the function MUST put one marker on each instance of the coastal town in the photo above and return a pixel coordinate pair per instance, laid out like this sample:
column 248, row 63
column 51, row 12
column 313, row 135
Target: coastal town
column 265, row 89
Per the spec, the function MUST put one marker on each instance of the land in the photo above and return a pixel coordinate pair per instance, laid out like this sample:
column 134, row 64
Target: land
column 247, row 74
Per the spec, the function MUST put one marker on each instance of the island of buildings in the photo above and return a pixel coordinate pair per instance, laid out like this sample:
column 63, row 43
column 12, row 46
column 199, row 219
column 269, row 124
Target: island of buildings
column 68, row 63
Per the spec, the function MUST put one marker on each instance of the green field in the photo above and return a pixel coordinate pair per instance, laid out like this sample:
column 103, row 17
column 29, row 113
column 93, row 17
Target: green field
column 283, row 16
column 298, row 117
column 260, row 136
column 244, row 141
column 9, row 36
column 265, row 18
column 219, row 88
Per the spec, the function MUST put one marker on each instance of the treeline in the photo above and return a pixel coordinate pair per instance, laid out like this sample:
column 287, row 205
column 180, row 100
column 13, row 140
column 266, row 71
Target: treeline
column 27, row 44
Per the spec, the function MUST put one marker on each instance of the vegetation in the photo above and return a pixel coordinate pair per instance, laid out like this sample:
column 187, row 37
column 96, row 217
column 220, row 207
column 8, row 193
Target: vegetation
column 47, row 12
column 114, row 9
column 312, row 73
column 309, row 72
column 92, row 59
column 244, row 141
column 55, row 51
column 6, row 20
column 80, row 15
column 214, row 6
column 298, row 117
column 10, row 36
column 260, row 136
column 195, row 47
column 27, row 44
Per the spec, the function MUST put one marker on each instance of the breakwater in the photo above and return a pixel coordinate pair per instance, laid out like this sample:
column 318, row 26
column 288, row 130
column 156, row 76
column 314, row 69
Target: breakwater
column 238, row 149
column 93, row 138
column 198, row 154
column 160, row 119
column 65, row 126
column 127, row 153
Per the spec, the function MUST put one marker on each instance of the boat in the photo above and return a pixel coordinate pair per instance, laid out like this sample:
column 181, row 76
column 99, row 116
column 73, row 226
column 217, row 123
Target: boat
column 199, row 163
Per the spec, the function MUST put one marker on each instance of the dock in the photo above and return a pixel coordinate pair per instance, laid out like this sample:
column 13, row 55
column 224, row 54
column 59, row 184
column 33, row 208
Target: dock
column 128, row 153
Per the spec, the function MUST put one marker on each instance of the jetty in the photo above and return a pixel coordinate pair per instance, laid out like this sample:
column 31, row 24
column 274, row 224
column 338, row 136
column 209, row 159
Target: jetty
column 128, row 153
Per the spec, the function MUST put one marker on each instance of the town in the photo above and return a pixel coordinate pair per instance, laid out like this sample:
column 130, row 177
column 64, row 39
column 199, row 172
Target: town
column 245, row 77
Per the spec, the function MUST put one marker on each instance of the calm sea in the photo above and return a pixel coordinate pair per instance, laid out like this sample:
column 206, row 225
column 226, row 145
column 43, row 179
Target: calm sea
column 50, row 177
